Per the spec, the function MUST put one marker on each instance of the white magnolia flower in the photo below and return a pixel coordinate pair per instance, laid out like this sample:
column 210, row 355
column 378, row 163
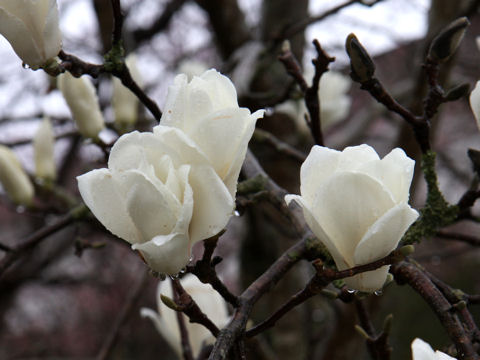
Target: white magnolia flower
column 31, row 27
column 43, row 145
column 475, row 102
column 333, row 98
column 209, row 301
column 160, row 194
column 423, row 351
column 125, row 103
column 13, row 178
column 206, row 109
column 81, row 97
column 357, row 205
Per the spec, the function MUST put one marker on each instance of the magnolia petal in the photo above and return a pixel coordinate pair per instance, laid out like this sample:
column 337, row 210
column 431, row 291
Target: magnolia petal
column 170, row 333
column 394, row 171
column 368, row 281
column 475, row 102
column 20, row 38
column 153, row 211
column 422, row 350
column 346, row 206
column 167, row 254
column 354, row 157
column 383, row 236
column 100, row 193
column 231, row 178
column 320, row 164
column 52, row 37
column 232, row 129
column 222, row 89
column 212, row 203
column 174, row 110
column 318, row 231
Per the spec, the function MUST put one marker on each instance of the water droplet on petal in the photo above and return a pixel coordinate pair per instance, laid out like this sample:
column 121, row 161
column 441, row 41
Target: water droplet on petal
column 351, row 291
column 378, row 292
column 174, row 277
column 236, row 213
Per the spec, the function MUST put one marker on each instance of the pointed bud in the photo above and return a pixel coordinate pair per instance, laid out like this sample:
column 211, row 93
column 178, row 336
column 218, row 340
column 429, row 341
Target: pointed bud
column 168, row 302
column 446, row 42
column 14, row 179
column 407, row 250
column 43, row 145
column 361, row 63
column 362, row 332
column 457, row 92
column 80, row 95
column 124, row 101
column 387, row 324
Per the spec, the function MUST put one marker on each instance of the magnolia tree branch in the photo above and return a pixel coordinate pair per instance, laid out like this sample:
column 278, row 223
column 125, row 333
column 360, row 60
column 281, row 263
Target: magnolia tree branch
column 408, row 273
column 38, row 236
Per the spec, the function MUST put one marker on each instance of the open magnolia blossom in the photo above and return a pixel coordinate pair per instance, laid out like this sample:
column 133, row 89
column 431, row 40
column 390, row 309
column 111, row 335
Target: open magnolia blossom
column 206, row 109
column 160, row 194
column 475, row 102
column 124, row 101
column 357, row 205
column 165, row 320
column 43, row 145
column 81, row 97
column 423, row 351
column 333, row 98
column 31, row 27
column 14, row 179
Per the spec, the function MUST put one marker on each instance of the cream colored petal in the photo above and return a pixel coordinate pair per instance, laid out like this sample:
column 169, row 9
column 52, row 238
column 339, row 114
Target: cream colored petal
column 354, row 157
column 320, row 164
column 394, row 171
column 154, row 211
column 346, row 206
column 170, row 333
column 222, row 89
column 81, row 97
column 20, row 38
column 167, row 254
column 52, row 37
column 475, row 102
column 175, row 105
column 314, row 225
column 369, row 281
column 212, row 203
column 14, row 179
column 422, row 350
column 223, row 136
column 43, row 144
column 100, row 193
column 384, row 235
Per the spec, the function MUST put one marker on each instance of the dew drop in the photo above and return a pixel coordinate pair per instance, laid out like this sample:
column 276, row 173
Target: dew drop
column 351, row 291
column 182, row 271
column 174, row 277
column 236, row 213
column 378, row 292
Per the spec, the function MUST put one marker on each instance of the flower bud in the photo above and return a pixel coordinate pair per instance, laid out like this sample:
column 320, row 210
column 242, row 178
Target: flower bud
column 124, row 101
column 457, row 92
column 361, row 64
column 82, row 100
column 43, row 144
column 31, row 28
column 14, row 180
column 446, row 43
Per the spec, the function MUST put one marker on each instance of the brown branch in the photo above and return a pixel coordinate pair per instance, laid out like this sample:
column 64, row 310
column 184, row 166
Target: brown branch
column 38, row 236
column 318, row 282
column 117, row 22
column 189, row 307
column 126, row 311
column 405, row 272
column 204, row 269
column 263, row 136
column 184, row 337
